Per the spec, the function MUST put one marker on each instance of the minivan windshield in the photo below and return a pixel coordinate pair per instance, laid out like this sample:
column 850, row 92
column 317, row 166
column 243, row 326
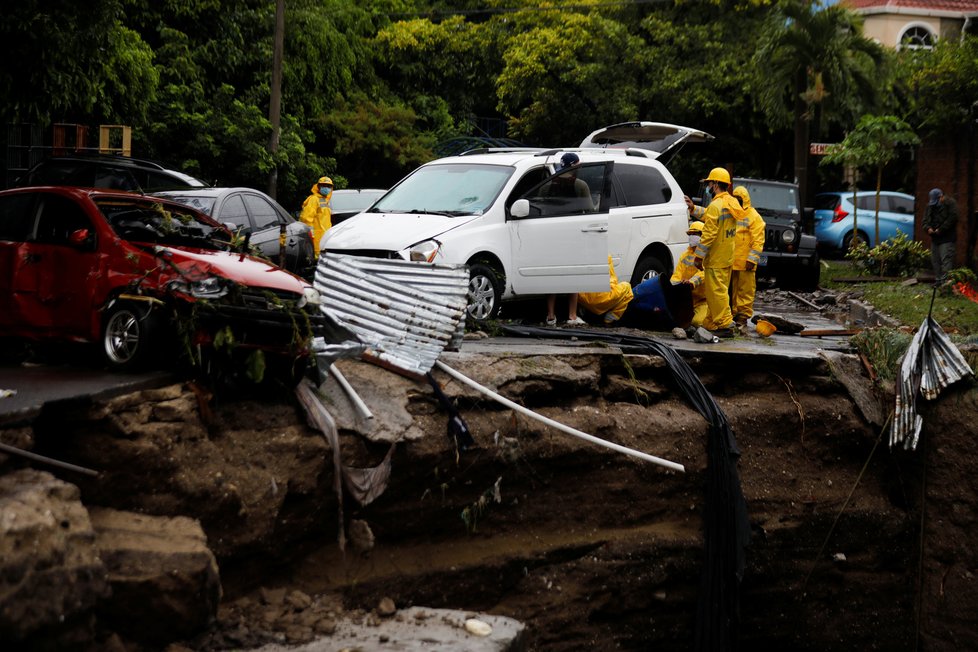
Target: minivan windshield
column 450, row 189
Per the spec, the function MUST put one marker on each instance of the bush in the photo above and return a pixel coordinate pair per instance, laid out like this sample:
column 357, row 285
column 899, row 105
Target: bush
column 898, row 256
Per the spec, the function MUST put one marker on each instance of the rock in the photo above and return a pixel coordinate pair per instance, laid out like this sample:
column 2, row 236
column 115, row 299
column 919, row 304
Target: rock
column 50, row 572
column 360, row 535
column 164, row 579
column 784, row 326
column 275, row 597
column 298, row 600
column 386, row 608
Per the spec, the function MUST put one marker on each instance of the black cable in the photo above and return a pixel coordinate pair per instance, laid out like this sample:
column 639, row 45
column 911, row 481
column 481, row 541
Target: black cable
column 726, row 528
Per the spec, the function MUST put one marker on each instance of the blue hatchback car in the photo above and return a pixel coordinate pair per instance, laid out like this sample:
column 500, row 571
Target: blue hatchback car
column 834, row 217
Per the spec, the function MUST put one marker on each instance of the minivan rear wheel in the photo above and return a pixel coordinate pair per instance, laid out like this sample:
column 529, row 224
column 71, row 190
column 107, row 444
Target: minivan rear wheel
column 484, row 292
column 646, row 268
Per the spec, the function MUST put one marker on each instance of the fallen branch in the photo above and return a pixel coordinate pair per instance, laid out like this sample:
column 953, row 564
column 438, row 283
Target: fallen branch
column 869, row 367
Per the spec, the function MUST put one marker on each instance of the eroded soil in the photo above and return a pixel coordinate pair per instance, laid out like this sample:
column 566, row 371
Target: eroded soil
column 591, row 549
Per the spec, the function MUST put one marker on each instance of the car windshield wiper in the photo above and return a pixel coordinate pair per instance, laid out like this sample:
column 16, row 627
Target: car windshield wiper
column 423, row 211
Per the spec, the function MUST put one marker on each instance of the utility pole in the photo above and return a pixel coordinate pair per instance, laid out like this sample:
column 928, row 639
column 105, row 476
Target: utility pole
column 275, row 104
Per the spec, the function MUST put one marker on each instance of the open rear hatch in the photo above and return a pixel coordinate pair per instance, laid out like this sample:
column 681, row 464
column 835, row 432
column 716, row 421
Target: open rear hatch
column 663, row 139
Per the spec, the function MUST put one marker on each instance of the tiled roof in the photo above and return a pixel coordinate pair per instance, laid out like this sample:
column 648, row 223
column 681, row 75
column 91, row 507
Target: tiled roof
column 963, row 6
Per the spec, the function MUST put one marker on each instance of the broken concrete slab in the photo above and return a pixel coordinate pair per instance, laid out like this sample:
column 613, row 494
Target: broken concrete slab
column 849, row 371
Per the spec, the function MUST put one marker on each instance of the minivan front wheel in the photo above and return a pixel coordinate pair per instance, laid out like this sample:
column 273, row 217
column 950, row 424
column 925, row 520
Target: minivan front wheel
column 484, row 292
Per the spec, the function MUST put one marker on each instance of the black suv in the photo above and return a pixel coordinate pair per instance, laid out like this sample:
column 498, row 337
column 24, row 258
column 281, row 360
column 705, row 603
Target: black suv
column 790, row 255
column 106, row 171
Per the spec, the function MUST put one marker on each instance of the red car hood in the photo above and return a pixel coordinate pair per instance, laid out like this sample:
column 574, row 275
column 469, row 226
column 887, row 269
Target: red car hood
column 243, row 269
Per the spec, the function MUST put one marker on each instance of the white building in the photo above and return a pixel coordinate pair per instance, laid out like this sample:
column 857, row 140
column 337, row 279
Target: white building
column 915, row 23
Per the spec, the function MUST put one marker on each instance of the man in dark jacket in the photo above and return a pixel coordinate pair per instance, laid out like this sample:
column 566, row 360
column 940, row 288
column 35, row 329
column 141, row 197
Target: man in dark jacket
column 941, row 223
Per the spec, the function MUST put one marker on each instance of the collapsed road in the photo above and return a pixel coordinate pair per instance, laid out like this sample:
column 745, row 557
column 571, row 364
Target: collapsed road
column 213, row 521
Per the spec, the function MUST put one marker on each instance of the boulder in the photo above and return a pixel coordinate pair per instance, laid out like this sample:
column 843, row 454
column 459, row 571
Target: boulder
column 164, row 579
column 51, row 576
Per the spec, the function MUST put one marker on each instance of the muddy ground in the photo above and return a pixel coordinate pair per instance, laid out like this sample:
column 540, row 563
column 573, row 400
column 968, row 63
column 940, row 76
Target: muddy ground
column 854, row 545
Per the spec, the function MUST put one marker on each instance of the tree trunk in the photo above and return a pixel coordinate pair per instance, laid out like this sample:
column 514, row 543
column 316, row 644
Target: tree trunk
column 275, row 102
column 801, row 139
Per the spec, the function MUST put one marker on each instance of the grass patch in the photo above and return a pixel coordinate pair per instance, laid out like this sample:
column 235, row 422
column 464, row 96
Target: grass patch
column 908, row 304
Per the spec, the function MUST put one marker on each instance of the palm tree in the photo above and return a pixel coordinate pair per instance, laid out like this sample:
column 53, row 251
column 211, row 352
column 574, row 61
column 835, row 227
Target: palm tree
column 814, row 60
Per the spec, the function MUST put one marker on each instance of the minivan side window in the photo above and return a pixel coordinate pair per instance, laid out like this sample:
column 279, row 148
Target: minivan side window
column 642, row 185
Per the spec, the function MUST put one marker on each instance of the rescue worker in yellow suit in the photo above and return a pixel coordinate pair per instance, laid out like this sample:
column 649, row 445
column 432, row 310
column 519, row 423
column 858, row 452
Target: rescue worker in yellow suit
column 748, row 245
column 610, row 305
column 316, row 211
column 714, row 253
column 686, row 272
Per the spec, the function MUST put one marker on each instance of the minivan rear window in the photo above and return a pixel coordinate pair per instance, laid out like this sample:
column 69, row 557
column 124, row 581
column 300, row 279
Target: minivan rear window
column 642, row 185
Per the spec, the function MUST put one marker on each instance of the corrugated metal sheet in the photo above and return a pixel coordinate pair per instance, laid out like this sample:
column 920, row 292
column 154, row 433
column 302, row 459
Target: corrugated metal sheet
column 931, row 363
column 408, row 312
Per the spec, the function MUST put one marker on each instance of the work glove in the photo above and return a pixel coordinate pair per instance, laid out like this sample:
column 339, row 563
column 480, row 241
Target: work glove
column 750, row 267
column 698, row 263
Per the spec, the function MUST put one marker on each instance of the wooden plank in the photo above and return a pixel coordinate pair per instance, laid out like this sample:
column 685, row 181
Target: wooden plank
column 830, row 331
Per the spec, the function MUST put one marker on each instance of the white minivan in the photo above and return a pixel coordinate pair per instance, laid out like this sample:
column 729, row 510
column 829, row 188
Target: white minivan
column 499, row 212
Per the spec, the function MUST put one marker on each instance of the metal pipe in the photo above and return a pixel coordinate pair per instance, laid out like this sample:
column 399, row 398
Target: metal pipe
column 47, row 460
column 556, row 424
column 354, row 397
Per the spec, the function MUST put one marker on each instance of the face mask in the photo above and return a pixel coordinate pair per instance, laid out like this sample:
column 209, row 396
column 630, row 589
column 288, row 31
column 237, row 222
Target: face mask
column 325, row 190
column 694, row 240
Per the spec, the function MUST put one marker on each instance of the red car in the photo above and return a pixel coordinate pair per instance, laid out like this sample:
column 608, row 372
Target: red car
column 137, row 274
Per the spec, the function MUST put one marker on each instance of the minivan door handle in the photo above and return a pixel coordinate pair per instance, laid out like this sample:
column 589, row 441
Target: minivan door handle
column 595, row 228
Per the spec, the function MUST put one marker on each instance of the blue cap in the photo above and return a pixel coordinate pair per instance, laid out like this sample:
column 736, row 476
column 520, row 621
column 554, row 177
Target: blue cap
column 568, row 160
column 935, row 196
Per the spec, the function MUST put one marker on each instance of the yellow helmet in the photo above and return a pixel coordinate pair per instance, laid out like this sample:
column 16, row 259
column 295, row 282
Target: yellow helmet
column 718, row 174
column 695, row 227
column 325, row 181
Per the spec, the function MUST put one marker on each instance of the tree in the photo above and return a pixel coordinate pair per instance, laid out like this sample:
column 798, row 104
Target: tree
column 815, row 57
column 73, row 62
column 873, row 143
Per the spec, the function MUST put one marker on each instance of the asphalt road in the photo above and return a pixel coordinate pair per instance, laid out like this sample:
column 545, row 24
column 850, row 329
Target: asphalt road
column 27, row 388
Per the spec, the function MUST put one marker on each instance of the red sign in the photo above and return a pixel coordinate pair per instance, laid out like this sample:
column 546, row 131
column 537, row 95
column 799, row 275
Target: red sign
column 818, row 149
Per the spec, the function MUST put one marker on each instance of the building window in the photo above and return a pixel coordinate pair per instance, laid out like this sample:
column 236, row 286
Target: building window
column 917, row 37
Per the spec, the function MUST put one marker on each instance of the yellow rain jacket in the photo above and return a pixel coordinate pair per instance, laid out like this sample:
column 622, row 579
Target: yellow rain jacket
column 686, row 271
column 720, row 219
column 748, row 248
column 611, row 305
column 317, row 213
column 749, row 241
column 716, row 250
